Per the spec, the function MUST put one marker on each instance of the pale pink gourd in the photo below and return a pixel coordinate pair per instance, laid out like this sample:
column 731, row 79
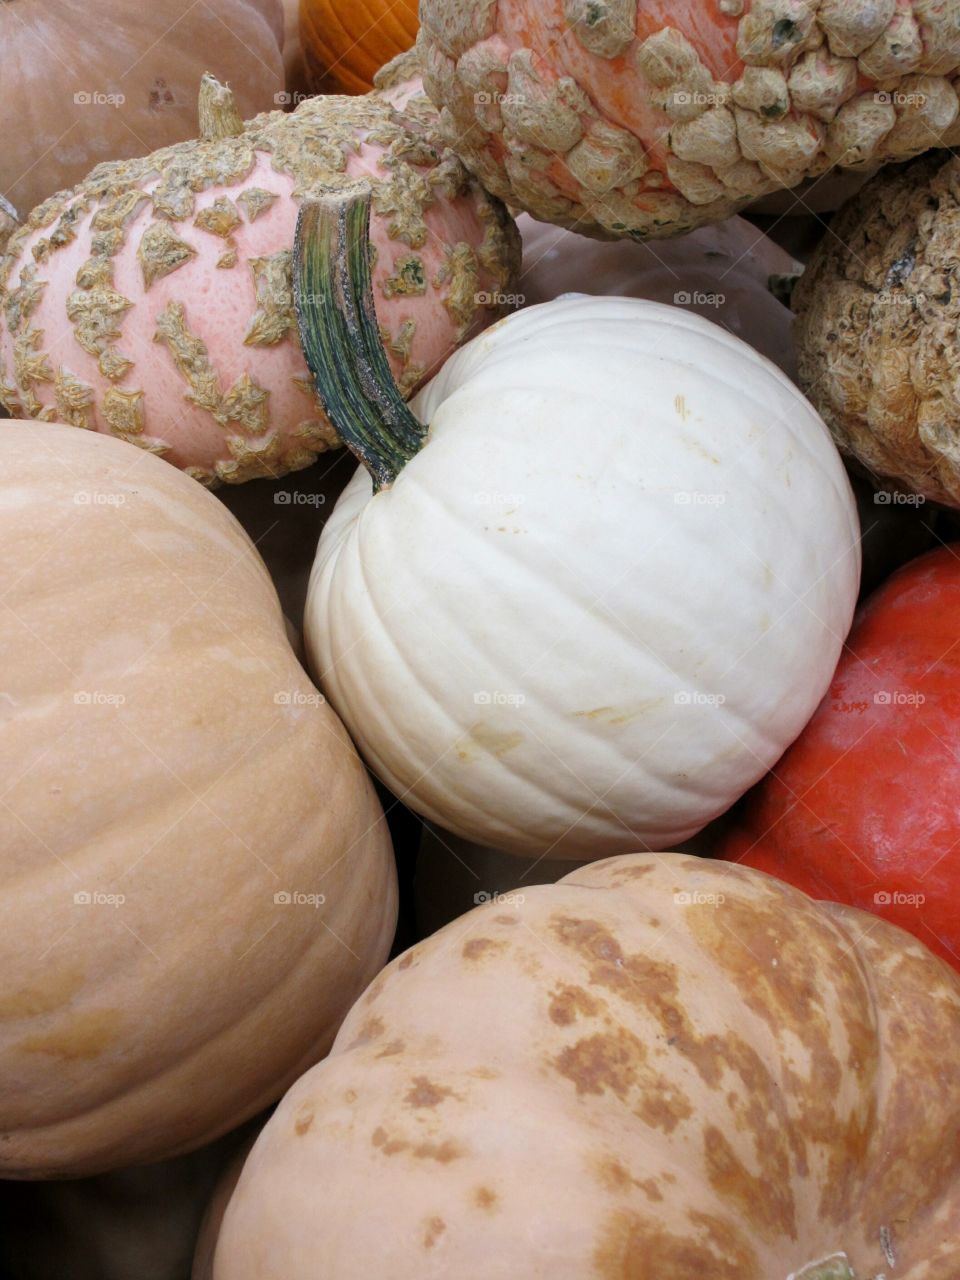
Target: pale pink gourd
column 154, row 302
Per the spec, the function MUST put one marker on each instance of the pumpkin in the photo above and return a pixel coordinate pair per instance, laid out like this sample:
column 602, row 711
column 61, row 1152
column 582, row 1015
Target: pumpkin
column 197, row 878
column 80, row 86
column 862, row 808
column 129, row 1224
column 154, row 301
column 723, row 273
column 658, row 1067
column 590, row 607
column 346, row 42
column 648, row 117
column 876, row 329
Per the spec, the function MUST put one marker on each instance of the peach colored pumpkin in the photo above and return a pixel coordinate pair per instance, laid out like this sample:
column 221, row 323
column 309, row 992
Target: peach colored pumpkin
column 168, row 770
column 84, row 83
column 661, row 1068
column 155, row 303
column 651, row 117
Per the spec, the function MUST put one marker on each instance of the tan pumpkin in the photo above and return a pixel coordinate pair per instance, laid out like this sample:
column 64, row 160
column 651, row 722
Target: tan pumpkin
column 80, row 85
column 661, row 1068
column 196, row 879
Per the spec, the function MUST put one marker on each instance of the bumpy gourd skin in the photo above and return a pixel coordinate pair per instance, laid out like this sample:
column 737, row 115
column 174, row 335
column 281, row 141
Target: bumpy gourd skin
column 650, row 118
column 154, row 301
column 878, row 310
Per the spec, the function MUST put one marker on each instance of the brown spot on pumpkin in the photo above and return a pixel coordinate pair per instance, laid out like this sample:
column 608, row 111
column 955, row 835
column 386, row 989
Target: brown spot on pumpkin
column 350, row 1095
column 304, row 1120
column 424, row 1093
column 506, row 919
column 567, row 1003
column 406, row 961
column 485, row 1198
column 159, row 97
column 372, row 1028
column 633, row 1247
column 47, row 993
column 615, row 1061
column 615, row 1177
column 81, row 1036
column 433, row 1231
column 379, row 1136
column 391, row 1050
column 768, row 1203
column 443, row 1152
column 476, row 948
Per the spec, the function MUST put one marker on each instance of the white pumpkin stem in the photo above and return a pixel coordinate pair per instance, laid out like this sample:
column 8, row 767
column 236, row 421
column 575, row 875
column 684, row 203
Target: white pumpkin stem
column 340, row 334
column 217, row 110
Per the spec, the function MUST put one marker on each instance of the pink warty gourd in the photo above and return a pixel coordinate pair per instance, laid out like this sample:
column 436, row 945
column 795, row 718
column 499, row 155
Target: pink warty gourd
column 154, row 301
column 649, row 117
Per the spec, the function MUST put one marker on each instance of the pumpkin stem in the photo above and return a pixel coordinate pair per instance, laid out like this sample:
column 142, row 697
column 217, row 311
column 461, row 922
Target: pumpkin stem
column 340, row 334
column 217, row 110
column 8, row 221
column 836, row 1267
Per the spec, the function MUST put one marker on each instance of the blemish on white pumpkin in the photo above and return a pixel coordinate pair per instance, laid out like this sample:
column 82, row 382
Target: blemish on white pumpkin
column 482, row 738
column 46, row 995
column 680, row 404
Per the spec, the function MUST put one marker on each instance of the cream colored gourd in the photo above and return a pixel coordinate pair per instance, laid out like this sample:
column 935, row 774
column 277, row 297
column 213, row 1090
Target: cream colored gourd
column 661, row 1068
column 605, row 592
column 169, row 770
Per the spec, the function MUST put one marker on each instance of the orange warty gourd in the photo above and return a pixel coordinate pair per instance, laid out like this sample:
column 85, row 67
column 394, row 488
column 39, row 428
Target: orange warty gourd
column 346, row 42
column 660, row 1068
column 650, row 117
column 196, row 878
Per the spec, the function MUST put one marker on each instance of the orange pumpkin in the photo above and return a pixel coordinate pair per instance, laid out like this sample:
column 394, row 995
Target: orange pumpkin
column 346, row 42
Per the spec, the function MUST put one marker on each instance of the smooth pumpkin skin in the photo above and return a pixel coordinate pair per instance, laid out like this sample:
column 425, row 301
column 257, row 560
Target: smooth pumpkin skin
column 533, row 639
column 346, row 42
column 154, row 54
column 132, row 1032
column 864, row 803
column 609, row 1081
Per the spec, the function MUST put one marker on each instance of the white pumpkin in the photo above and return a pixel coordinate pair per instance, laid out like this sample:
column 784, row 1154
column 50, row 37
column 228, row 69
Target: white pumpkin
column 606, row 593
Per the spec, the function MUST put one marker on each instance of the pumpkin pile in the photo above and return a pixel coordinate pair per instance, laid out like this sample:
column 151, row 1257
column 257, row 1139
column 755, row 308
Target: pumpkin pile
column 479, row 615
